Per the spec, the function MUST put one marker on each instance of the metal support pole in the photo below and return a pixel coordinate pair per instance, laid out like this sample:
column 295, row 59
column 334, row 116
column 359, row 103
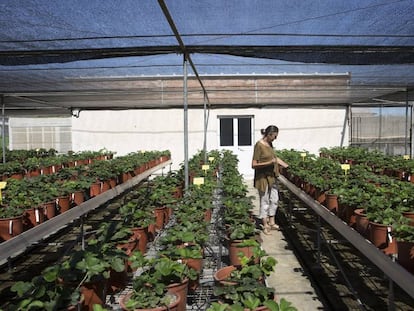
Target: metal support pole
column 318, row 241
column 3, row 129
column 406, row 124
column 346, row 122
column 290, row 210
column 380, row 127
column 185, row 123
column 205, row 129
column 411, row 131
column 82, row 233
column 391, row 300
column 350, row 125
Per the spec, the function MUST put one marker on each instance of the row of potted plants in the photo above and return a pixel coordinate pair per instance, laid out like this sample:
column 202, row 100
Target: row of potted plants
column 31, row 163
column 376, row 205
column 401, row 167
column 181, row 244
column 241, row 284
column 21, row 155
column 30, row 201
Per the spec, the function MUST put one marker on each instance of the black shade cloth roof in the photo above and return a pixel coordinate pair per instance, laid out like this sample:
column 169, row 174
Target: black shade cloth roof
column 62, row 54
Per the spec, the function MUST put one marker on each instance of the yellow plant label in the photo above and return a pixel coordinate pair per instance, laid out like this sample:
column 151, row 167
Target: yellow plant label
column 2, row 186
column 303, row 154
column 345, row 167
column 198, row 181
column 211, row 159
column 406, row 157
column 205, row 167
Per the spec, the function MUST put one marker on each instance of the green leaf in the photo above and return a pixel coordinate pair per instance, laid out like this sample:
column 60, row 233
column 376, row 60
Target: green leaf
column 118, row 264
column 286, row 305
column 50, row 274
column 22, row 288
column 271, row 305
column 37, row 304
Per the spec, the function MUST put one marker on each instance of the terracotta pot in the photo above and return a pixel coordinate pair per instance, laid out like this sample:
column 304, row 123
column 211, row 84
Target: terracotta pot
column 197, row 265
column 320, row 196
column 63, row 203
column 235, row 249
column 178, row 192
column 131, row 245
column 105, row 186
column 10, row 227
column 207, row 215
column 94, row 293
column 221, row 276
column 77, row 197
column 125, row 177
column 18, row 176
column 167, row 215
column 346, row 213
column 361, row 222
column 33, row 217
column 172, row 307
column 113, row 182
column 331, row 202
column 159, row 217
column 95, row 189
column 33, row 172
column 47, row 170
column 181, row 289
column 306, row 186
column 221, row 279
column 152, row 232
column 380, row 236
column 142, row 234
column 406, row 255
column 49, row 209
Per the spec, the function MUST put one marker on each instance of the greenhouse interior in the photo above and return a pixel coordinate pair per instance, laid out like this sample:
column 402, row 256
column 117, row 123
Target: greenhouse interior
column 207, row 155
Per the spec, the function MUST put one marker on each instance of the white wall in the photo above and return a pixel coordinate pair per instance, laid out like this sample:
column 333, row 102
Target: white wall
column 133, row 130
column 306, row 129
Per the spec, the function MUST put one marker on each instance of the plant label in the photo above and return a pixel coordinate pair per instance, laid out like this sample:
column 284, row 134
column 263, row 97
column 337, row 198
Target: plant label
column 198, row 181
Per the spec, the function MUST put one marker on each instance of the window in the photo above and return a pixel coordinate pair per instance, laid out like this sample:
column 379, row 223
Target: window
column 226, row 132
column 245, row 132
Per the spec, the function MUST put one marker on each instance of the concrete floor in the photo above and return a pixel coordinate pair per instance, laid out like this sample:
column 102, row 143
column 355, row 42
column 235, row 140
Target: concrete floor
column 289, row 279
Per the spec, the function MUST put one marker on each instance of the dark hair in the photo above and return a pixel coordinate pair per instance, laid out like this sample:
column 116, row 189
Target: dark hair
column 269, row 129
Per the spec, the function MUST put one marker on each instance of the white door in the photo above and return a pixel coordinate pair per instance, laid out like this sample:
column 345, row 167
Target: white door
column 236, row 134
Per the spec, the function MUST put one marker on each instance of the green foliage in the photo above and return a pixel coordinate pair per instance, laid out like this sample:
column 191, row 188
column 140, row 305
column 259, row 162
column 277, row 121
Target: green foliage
column 402, row 231
column 43, row 292
column 149, row 296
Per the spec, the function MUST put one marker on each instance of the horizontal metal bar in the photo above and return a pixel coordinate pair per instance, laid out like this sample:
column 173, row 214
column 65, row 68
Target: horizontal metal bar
column 392, row 269
column 18, row 244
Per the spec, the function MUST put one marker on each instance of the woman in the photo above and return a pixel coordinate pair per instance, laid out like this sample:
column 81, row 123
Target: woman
column 266, row 169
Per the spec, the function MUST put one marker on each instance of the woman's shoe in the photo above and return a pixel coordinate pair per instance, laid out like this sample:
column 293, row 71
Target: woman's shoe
column 266, row 230
column 274, row 227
